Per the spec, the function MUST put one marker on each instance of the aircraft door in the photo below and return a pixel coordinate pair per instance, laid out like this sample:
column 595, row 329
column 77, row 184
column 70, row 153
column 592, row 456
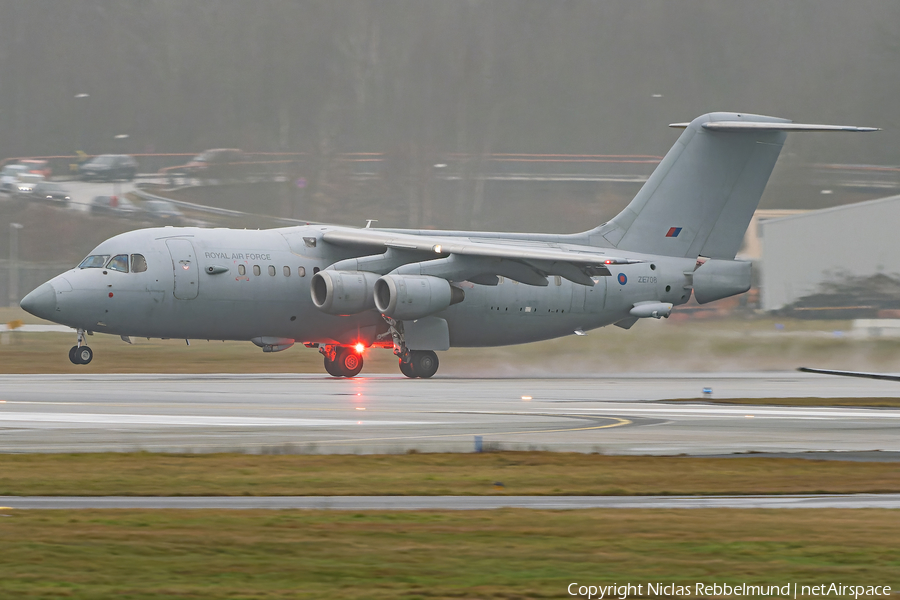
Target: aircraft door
column 184, row 263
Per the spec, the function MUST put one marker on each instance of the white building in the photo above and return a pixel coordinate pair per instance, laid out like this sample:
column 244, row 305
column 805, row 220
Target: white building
column 804, row 252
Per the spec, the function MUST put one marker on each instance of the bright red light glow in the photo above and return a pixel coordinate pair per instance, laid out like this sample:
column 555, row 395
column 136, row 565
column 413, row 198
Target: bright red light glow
column 359, row 348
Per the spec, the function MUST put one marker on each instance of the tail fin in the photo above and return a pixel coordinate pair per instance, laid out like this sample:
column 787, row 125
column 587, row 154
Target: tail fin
column 701, row 197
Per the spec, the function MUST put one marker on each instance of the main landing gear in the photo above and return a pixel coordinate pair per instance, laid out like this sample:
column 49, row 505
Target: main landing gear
column 422, row 363
column 413, row 363
column 341, row 361
column 80, row 354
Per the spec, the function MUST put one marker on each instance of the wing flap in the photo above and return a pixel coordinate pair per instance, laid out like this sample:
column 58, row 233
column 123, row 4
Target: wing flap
column 439, row 246
column 464, row 259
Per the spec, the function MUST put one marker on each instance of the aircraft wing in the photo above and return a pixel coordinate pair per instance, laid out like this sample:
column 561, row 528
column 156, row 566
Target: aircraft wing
column 522, row 260
column 881, row 376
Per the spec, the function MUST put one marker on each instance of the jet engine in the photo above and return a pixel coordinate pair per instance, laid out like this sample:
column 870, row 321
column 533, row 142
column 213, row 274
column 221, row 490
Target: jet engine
column 408, row 297
column 343, row 292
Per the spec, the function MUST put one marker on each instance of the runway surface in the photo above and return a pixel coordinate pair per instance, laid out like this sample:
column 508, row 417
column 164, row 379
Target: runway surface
column 320, row 414
column 454, row 502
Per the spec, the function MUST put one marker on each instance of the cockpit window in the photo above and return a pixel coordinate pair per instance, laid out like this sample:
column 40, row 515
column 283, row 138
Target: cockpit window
column 119, row 263
column 138, row 263
column 94, row 261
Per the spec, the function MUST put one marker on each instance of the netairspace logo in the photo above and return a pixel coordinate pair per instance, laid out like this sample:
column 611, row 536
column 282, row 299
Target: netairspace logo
column 790, row 590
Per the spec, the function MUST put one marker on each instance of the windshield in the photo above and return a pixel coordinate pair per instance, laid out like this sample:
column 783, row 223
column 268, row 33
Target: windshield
column 119, row 263
column 12, row 169
column 105, row 159
column 94, row 261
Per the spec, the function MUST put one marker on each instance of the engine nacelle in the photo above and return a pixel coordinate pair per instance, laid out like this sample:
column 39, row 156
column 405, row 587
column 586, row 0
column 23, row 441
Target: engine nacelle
column 343, row 292
column 407, row 297
column 717, row 279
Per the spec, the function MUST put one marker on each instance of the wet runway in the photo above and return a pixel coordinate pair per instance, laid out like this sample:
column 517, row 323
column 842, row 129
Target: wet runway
column 319, row 414
column 453, row 502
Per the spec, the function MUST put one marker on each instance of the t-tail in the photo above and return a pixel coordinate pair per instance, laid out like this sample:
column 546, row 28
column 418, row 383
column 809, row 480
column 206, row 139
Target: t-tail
column 701, row 197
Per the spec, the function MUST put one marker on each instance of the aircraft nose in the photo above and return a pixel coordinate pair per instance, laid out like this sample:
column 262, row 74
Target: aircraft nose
column 41, row 302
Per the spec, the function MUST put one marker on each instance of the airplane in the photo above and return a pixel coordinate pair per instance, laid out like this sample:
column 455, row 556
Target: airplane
column 343, row 290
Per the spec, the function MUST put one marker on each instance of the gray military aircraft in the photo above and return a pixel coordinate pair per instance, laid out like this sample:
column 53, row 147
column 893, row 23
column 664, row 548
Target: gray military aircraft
column 343, row 289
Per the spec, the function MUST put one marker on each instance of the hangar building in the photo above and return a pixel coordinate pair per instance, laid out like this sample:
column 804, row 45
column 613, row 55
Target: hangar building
column 804, row 252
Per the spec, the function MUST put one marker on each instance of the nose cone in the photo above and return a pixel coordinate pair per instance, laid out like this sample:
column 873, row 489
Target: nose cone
column 41, row 302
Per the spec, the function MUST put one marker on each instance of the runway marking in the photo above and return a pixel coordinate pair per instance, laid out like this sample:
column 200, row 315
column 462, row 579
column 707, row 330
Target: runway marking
column 620, row 422
column 186, row 420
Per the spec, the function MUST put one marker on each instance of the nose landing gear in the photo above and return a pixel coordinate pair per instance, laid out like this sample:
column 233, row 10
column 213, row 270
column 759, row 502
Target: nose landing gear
column 80, row 354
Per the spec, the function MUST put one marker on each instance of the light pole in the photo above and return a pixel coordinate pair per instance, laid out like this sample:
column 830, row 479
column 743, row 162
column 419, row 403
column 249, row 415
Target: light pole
column 117, row 187
column 14, row 263
column 81, row 114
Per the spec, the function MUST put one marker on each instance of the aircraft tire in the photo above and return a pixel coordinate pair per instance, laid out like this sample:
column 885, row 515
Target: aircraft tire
column 425, row 363
column 407, row 369
column 333, row 368
column 72, row 357
column 84, row 355
column 349, row 361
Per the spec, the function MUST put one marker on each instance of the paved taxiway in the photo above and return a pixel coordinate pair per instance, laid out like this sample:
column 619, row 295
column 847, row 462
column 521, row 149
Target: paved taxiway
column 313, row 413
column 453, row 502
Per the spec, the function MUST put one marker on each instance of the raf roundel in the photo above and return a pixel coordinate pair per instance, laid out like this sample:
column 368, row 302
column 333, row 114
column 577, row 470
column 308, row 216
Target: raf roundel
column 622, row 278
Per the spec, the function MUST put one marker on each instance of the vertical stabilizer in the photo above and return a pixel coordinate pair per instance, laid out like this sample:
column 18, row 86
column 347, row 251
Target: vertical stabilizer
column 701, row 197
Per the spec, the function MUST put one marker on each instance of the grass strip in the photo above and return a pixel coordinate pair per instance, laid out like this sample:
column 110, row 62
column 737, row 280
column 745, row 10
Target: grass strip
column 860, row 402
column 510, row 553
column 520, row 473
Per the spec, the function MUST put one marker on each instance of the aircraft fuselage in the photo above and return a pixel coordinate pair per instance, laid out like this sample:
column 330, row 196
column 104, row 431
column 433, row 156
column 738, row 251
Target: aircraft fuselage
column 262, row 290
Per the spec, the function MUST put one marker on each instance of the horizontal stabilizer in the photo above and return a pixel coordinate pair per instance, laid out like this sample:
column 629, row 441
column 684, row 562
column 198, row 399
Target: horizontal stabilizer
column 882, row 376
column 758, row 126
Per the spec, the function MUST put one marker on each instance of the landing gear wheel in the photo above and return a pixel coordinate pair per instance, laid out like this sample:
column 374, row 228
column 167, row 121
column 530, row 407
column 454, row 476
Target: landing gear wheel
column 407, row 369
column 83, row 355
column 424, row 363
column 72, row 356
column 333, row 368
column 350, row 362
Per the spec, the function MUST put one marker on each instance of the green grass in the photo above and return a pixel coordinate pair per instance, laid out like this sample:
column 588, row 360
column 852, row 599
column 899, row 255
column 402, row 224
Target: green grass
column 522, row 473
column 502, row 554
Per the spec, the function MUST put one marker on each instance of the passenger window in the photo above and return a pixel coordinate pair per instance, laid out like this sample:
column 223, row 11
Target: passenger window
column 301, row 271
column 138, row 263
column 256, row 270
column 242, row 270
column 286, row 271
column 119, row 263
column 557, row 279
column 95, row 261
column 272, row 270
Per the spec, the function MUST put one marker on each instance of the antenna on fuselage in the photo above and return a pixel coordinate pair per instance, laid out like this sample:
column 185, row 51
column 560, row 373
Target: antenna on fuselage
column 369, row 222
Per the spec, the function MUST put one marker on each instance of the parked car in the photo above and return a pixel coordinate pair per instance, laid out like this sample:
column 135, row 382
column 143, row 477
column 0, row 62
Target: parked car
column 218, row 163
column 108, row 167
column 114, row 205
column 47, row 191
column 163, row 212
column 25, row 184
column 9, row 177
column 37, row 166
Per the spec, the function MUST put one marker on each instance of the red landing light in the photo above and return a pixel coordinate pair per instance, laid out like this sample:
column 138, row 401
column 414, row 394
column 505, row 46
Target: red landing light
column 359, row 348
